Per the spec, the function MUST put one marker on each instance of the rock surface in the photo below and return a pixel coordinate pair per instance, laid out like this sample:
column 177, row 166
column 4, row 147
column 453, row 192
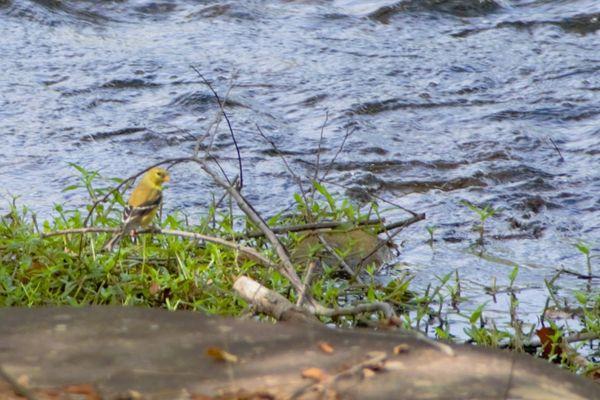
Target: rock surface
column 112, row 352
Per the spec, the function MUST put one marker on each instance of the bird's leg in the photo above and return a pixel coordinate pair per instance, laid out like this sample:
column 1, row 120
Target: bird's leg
column 134, row 235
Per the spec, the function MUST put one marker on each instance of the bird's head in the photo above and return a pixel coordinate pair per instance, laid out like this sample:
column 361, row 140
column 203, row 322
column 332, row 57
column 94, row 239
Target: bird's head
column 157, row 176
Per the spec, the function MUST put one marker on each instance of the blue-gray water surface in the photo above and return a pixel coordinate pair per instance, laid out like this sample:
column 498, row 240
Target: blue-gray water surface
column 490, row 101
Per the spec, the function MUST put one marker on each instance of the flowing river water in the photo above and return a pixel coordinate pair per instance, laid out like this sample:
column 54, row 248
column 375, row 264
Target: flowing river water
column 490, row 101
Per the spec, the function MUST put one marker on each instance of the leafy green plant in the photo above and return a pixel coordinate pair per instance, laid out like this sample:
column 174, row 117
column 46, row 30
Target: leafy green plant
column 484, row 214
column 585, row 250
column 431, row 230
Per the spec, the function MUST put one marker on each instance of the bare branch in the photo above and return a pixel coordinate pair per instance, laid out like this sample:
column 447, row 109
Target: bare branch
column 296, row 178
column 222, row 107
column 248, row 251
column 346, row 136
column 372, row 196
column 402, row 224
column 269, row 302
column 214, row 125
column 320, row 145
column 286, row 266
column 342, row 262
column 307, row 281
column 378, row 306
column 399, row 226
column 307, row 227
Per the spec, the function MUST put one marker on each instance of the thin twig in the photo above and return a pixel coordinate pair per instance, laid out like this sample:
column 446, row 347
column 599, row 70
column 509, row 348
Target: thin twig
column 342, row 262
column 372, row 196
column 307, row 281
column 346, row 136
column 328, row 225
column 224, row 195
column 296, row 178
column 399, row 226
column 320, row 145
column 402, row 224
column 577, row 274
column 81, row 231
column 214, row 125
column 537, row 342
column 376, row 360
column 222, row 107
column 287, row 268
column 557, row 149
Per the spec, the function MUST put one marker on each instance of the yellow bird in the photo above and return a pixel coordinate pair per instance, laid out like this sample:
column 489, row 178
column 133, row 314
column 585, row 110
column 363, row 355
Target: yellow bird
column 143, row 204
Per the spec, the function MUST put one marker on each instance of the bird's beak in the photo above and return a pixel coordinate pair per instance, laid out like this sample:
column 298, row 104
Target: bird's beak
column 167, row 178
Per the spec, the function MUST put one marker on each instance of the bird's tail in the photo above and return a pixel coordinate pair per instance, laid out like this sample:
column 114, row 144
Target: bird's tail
column 110, row 245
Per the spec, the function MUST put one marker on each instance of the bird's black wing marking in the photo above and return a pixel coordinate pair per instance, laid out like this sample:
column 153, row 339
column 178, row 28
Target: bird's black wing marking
column 141, row 210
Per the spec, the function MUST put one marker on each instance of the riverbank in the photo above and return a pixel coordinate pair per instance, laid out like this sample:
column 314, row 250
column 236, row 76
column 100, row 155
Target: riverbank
column 336, row 273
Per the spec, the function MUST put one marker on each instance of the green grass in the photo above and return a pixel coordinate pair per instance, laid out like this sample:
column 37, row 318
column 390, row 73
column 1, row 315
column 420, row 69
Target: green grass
column 177, row 273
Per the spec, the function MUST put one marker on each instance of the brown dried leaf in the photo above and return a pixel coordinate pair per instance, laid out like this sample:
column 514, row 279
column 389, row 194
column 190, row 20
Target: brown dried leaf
column 219, row 354
column 548, row 346
column 594, row 374
column 23, row 380
column 154, row 288
column 86, row 390
column 326, row 347
column 316, row 374
column 201, row 397
column 401, row 348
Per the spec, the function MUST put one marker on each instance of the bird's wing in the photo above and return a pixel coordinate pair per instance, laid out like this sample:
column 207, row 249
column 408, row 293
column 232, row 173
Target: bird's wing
column 136, row 212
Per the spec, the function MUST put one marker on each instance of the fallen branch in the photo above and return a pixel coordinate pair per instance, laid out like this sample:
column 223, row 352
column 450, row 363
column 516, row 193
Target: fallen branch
column 308, row 227
column 378, row 306
column 269, row 302
column 577, row 337
column 248, row 251
column 402, row 224
column 278, row 230
column 286, row 267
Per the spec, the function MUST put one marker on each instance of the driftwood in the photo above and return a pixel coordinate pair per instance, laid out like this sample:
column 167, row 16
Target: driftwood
column 269, row 302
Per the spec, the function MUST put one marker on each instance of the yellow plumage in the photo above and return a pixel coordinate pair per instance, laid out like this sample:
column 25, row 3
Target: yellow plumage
column 143, row 204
